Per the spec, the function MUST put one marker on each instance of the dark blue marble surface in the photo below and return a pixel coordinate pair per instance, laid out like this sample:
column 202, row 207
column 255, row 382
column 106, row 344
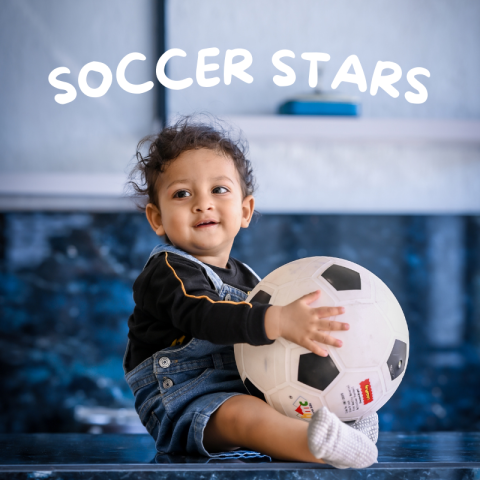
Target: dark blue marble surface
column 65, row 296
column 438, row 455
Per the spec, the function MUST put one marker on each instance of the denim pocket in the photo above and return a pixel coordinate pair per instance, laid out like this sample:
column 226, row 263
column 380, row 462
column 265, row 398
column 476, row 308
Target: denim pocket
column 185, row 392
column 152, row 425
column 149, row 405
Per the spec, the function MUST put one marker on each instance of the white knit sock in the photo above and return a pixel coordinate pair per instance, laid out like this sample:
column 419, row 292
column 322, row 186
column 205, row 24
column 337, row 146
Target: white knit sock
column 368, row 426
column 338, row 444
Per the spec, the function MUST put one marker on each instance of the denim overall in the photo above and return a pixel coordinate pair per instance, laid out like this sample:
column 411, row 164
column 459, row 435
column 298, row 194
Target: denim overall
column 178, row 388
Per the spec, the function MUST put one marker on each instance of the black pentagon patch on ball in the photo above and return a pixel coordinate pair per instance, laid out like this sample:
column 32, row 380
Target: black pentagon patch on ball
column 342, row 278
column 253, row 390
column 317, row 372
column 397, row 359
column 261, row 297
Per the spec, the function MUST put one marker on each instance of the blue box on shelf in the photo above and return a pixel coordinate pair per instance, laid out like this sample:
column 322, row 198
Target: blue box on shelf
column 321, row 104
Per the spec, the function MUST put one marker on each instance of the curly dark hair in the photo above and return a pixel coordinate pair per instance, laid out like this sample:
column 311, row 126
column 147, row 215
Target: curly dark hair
column 188, row 133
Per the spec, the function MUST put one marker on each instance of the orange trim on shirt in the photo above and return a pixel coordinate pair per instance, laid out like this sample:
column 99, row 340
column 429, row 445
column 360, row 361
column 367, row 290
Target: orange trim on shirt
column 178, row 341
column 202, row 296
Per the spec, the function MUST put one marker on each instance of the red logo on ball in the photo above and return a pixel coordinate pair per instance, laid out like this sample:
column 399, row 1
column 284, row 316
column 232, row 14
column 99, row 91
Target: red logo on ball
column 366, row 391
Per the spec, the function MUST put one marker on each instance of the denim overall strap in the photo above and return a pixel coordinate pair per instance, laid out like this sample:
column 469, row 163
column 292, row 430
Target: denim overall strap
column 215, row 279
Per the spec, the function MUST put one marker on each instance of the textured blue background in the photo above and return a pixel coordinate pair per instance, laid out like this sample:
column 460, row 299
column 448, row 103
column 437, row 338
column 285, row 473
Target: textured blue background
column 65, row 296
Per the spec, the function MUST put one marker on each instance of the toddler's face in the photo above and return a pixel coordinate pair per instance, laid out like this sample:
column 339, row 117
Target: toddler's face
column 201, row 204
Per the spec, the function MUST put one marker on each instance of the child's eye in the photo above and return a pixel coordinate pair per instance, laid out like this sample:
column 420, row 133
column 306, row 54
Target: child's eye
column 220, row 190
column 182, row 194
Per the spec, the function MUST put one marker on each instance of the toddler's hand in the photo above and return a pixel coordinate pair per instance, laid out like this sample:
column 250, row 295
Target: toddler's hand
column 304, row 325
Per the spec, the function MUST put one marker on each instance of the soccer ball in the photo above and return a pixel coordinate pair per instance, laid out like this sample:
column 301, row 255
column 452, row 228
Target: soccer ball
column 356, row 379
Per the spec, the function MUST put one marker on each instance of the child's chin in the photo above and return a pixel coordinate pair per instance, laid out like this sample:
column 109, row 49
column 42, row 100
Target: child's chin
column 207, row 245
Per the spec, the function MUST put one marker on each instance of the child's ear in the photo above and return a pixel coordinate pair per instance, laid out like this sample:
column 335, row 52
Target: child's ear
column 155, row 219
column 248, row 206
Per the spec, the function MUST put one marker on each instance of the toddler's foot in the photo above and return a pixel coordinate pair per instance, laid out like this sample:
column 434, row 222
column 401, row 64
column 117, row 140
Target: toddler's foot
column 338, row 444
column 368, row 426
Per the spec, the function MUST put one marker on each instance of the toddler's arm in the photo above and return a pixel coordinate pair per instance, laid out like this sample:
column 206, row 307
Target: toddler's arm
column 304, row 325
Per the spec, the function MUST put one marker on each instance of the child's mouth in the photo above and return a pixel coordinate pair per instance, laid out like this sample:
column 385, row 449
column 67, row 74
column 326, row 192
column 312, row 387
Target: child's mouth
column 208, row 223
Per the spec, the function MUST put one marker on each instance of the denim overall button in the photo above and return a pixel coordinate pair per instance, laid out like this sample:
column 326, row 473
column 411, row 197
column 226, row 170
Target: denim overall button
column 228, row 297
column 164, row 362
column 167, row 383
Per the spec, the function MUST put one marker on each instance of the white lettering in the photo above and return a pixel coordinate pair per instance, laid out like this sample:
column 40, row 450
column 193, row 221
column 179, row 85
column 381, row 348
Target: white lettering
column 70, row 92
column 358, row 77
column 290, row 77
column 386, row 81
column 123, row 82
column 422, row 95
column 211, row 67
column 106, row 82
column 160, row 70
column 314, row 57
column 237, row 69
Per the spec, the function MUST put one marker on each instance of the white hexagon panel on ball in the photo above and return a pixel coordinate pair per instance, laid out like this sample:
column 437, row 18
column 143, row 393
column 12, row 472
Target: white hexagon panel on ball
column 289, row 293
column 366, row 343
column 356, row 394
column 298, row 269
column 389, row 306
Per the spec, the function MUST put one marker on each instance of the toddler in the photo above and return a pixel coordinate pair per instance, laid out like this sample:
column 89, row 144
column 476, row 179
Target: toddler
column 191, row 308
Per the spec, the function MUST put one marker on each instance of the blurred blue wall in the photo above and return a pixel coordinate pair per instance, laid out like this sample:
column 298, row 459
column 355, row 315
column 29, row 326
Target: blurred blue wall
column 65, row 297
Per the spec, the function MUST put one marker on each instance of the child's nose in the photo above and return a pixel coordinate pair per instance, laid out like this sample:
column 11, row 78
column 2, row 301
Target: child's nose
column 201, row 208
column 202, row 204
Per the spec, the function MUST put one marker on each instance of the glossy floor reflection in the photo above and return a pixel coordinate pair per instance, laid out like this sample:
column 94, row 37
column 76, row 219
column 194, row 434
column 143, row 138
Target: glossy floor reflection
column 82, row 450
column 448, row 455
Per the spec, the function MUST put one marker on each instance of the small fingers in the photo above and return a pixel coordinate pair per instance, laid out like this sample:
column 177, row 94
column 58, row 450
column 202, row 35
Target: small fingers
column 325, row 338
column 311, row 297
column 324, row 312
column 316, row 349
column 332, row 325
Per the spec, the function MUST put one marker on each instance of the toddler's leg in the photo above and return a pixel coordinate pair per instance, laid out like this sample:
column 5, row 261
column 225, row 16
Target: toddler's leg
column 245, row 421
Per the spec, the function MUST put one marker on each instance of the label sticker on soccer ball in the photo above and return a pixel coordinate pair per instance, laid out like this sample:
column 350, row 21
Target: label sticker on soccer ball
column 355, row 396
column 367, row 393
column 303, row 408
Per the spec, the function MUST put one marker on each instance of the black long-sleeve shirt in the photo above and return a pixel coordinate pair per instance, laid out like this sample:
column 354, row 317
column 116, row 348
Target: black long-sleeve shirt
column 176, row 301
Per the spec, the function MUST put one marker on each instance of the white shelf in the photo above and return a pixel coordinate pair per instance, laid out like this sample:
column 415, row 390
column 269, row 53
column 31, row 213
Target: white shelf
column 63, row 192
column 385, row 165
